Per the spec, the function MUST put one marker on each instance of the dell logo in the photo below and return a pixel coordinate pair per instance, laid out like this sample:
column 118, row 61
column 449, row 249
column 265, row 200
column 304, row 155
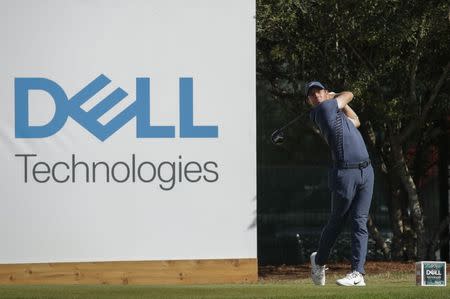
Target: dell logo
column 140, row 108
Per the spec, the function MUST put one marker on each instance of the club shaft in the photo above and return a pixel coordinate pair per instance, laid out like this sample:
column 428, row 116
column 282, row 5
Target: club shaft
column 290, row 123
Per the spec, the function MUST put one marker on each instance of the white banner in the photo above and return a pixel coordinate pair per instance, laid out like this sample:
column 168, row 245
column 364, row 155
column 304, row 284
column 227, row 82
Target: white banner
column 128, row 130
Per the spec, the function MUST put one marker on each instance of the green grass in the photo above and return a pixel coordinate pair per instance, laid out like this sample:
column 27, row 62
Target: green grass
column 396, row 286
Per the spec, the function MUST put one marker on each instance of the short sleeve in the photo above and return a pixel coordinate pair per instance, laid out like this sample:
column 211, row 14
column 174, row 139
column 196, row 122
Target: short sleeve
column 326, row 111
column 329, row 107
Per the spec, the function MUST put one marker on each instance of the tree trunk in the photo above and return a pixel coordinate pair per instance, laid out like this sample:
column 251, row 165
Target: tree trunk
column 434, row 240
column 380, row 162
column 396, row 217
column 379, row 240
column 401, row 169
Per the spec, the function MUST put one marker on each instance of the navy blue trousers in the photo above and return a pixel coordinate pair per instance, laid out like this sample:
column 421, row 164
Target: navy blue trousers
column 351, row 195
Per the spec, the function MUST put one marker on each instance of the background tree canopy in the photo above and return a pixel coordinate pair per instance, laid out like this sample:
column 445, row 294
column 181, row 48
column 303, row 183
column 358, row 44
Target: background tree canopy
column 395, row 57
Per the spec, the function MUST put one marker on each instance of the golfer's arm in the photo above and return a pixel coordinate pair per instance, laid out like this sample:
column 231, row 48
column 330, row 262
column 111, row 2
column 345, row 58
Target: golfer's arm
column 343, row 98
column 352, row 116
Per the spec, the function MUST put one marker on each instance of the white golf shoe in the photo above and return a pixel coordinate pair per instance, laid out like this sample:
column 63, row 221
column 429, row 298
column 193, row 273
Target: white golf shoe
column 354, row 279
column 317, row 271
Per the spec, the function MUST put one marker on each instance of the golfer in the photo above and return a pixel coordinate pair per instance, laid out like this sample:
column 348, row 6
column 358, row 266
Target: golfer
column 350, row 179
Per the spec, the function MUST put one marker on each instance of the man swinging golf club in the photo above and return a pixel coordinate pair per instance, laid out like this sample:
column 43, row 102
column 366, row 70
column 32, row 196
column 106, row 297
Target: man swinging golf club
column 351, row 180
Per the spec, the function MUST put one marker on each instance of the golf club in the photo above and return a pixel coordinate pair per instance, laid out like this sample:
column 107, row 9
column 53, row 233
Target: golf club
column 277, row 136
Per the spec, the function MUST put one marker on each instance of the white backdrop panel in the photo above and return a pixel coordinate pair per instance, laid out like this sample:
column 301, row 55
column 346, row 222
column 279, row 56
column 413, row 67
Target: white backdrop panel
column 73, row 42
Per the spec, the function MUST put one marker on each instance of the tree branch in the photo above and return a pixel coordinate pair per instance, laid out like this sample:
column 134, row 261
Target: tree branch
column 376, row 235
column 359, row 56
column 412, row 79
column 369, row 136
column 415, row 123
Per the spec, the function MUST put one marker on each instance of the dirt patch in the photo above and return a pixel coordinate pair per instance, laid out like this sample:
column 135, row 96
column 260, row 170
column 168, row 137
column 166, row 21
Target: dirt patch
column 303, row 271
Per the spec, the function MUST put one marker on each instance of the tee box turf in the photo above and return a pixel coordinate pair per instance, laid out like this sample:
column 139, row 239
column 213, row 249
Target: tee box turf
column 431, row 273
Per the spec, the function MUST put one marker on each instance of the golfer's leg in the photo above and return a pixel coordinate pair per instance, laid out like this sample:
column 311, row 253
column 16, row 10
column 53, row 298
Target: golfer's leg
column 340, row 208
column 359, row 214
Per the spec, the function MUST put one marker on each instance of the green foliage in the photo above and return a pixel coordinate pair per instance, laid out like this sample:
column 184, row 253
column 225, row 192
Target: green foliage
column 371, row 47
column 394, row 55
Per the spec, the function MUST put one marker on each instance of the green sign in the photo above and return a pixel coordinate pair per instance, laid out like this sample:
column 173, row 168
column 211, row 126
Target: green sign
column 434, row 273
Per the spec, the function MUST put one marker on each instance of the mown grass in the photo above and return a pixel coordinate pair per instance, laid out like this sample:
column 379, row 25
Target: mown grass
column 398, row 286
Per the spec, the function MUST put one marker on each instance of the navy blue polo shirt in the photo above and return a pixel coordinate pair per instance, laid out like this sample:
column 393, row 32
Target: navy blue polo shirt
column 344, row 139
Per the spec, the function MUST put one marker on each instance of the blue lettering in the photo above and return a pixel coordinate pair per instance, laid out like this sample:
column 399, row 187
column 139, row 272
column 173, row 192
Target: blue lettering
column 22, row 88
column 144, row 129
column 187, row 128
column 89, row 119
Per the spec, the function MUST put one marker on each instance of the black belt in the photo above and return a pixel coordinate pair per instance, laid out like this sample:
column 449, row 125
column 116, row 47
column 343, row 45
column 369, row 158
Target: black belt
column 347, row 165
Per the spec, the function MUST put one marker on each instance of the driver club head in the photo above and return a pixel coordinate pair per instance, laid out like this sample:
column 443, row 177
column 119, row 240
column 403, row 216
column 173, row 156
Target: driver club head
column 277, row 137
